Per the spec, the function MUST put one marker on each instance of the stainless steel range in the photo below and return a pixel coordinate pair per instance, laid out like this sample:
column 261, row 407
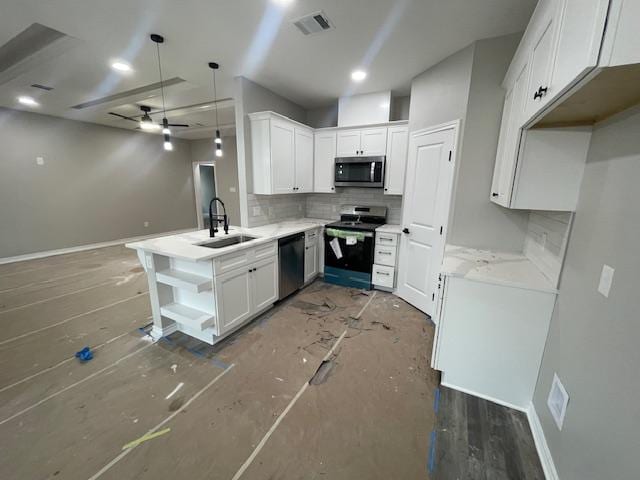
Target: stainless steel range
column 349, row 246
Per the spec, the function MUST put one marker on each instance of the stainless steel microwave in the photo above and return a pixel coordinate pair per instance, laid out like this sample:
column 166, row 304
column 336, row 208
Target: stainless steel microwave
column 359, row 171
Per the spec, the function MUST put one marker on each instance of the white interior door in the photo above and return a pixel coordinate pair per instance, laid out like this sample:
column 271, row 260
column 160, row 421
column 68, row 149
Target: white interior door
column 425, row 212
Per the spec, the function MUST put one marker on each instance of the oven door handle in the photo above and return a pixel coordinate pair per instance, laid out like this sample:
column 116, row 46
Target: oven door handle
column 373, row 172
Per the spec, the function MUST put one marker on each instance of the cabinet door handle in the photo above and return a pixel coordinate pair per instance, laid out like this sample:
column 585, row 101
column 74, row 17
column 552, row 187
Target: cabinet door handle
column 542, row 91
column 405, row 230
column 382, row 273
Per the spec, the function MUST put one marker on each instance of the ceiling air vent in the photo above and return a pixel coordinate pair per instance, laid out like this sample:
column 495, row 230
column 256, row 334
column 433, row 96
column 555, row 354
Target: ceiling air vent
column 313, row 23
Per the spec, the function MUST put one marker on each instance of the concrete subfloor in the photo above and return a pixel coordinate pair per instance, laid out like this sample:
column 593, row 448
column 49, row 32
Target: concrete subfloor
column 242, row 409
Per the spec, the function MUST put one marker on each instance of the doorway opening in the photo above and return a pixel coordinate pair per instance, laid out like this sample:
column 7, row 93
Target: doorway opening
column 206, row 187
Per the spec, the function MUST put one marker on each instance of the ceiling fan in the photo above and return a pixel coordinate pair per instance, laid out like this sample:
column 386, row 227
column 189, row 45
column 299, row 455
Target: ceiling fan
column 146, row 122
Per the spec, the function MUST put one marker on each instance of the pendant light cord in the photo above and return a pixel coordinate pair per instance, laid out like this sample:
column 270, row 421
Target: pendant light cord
column 164, row 112
column 215, row 98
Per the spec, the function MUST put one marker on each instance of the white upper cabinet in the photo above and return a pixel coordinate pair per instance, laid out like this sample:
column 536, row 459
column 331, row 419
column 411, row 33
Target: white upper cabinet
column 541, row 150
column 283, row 151
column 579, row 39
column 396, row 163
column 348, row 143
column 362, row 142
column 282, row 155
column 324, row 161
column 303, row 160
column 373, row 141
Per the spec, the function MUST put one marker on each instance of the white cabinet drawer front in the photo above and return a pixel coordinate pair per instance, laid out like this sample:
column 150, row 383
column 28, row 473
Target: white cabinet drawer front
column 383, row 276
column 233, row 261
column 386, row 239
column 265, row 251
column 385, row 255
column 310, row 238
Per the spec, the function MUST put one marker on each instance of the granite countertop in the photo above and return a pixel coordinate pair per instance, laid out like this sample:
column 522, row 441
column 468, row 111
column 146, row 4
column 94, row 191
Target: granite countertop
column 501, row 268
column 186, row 246
column 389, row 228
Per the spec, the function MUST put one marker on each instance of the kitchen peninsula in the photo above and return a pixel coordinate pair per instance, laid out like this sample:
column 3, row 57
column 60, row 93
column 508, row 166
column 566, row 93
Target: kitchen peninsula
column 209, row 287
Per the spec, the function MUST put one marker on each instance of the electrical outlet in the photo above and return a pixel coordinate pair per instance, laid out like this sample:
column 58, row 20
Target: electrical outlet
column 299, row 207
column 39, row 160
column 257, row 211
column 544, row 239
column 606, row 279
column 334, row 208
column 146, row 224
column 557, row 401
column 271, row 212
column 149, row 262
column 232, row 189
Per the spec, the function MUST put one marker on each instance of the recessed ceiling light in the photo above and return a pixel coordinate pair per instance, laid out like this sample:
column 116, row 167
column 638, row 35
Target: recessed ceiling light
column 121, row 67
column 28, row 101
column 283, row 3
column 358, row 75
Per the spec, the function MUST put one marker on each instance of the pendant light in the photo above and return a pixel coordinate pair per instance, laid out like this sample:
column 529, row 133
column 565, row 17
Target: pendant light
column 166, row 132
column 218, row 140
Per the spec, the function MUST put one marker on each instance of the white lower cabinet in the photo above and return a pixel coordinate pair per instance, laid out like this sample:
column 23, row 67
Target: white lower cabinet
column 513, row 324
column 385, row 261
column 233, row 297
column 264, row 283
column 245, row 291
column 311, row 257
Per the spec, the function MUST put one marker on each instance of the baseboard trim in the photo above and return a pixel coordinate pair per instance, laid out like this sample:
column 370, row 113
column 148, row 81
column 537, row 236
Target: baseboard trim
column 484, row 397
column 542, row 447
column 90, row 246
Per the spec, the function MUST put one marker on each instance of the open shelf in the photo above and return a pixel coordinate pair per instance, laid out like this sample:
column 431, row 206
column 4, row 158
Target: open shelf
column 185, row 280
column 188, row 315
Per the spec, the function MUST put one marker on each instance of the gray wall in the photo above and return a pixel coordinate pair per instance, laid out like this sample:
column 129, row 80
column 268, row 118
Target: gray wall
column 327, row 116
column 97, row 184
column 593, row 340
column 477, row 222
column 467, row 86
column 226, row 172
column 251, row 97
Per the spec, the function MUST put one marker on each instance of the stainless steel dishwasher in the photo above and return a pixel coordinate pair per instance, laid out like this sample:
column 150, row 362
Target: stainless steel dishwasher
column 291, row 264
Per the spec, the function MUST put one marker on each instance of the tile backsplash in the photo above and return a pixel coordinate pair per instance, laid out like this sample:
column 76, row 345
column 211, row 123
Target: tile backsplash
column 264, row 209
column 328, row 205
column 546, row 241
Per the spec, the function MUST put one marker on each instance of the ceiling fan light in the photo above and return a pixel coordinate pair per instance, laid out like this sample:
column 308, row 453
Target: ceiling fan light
column 218, row 139
column 146, row 125
column 166, row 131
column 168, row 146
column 218, row 150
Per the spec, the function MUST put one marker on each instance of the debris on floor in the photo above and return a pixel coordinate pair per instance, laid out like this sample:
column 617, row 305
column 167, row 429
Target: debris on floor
column 322, row 373
column 144, row 438
column 84, row 355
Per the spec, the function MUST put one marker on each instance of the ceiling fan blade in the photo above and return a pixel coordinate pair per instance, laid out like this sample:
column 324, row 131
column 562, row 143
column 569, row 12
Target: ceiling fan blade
column 178, row 125
column 123, row 116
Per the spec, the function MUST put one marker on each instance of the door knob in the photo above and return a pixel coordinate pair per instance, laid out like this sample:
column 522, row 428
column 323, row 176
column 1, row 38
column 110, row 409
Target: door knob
column 405, row 230
column 494, row 194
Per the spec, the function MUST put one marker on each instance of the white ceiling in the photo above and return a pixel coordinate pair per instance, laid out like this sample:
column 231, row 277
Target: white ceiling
column 392, row 40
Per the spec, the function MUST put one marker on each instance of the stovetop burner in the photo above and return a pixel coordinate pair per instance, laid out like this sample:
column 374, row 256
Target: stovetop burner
column 354, row 225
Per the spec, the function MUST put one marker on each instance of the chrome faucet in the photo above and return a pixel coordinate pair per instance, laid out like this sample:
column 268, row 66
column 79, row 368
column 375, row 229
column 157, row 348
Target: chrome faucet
column 213, row 227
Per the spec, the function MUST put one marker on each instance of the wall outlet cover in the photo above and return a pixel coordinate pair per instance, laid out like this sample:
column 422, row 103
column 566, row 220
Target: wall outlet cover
column 232, row 189
column 39, row 160
column 606, row 279
column 146, row 224
column 257, row 211
column 557, row 401
column 271, row 212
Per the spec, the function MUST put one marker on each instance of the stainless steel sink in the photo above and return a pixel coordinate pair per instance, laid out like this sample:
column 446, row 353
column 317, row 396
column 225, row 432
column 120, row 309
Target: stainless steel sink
column 227, row 241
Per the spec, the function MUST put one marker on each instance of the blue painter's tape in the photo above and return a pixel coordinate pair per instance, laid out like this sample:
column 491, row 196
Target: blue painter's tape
column 219, row 363
column 431, row 463
column 436, row 400
column 195, row 352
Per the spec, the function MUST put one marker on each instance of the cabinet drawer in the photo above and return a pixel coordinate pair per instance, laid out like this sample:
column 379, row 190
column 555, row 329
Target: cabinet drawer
column 264, row 251
column 386, row 239
column 385, row 256
column 232, row 261
column 310, row 238
column 383, row 276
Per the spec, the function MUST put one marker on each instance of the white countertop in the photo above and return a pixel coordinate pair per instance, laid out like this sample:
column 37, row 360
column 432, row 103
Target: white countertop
column 501, row 268
column 186, row 246
column 389, row 228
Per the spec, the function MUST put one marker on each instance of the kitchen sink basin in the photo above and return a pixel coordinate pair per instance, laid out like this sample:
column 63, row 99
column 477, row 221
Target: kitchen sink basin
column 227, row 241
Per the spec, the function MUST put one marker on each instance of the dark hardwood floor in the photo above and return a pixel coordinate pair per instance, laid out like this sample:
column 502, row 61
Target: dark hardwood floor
column 479, row 440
